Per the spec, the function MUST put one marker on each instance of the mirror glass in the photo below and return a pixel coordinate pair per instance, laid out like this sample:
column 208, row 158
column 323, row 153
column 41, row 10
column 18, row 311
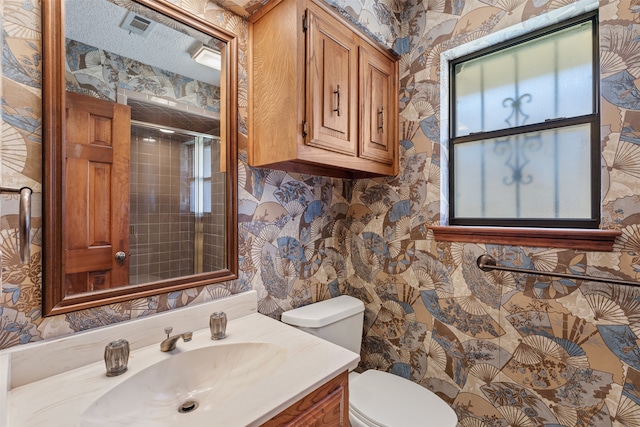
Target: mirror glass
column 140, row 170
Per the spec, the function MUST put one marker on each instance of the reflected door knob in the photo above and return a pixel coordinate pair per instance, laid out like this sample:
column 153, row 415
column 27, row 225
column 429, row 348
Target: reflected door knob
column 120, row 256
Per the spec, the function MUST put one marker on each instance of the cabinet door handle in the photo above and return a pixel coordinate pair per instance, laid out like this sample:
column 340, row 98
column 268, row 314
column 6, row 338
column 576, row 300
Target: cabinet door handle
column 337, row 93
column 381, row 120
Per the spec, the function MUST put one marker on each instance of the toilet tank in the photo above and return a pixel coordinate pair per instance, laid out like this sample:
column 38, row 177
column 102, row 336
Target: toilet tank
column 338, row 320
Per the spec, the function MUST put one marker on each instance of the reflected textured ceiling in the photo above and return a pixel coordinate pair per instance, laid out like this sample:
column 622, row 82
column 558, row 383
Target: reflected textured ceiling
column 97, row 23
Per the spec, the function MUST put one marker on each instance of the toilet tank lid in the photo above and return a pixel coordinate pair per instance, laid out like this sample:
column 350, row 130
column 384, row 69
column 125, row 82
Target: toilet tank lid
column 324, row 312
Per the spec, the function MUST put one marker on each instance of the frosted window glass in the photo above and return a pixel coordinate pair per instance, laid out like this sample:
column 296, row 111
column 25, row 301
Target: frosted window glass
column 206, row 171
column 545, row 78
column 206, row 196
column 543, row 175
column 192, row 196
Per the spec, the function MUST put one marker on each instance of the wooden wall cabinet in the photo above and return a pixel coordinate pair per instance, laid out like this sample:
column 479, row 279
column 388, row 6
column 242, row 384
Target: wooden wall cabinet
column 322, row 96
column 326, row 406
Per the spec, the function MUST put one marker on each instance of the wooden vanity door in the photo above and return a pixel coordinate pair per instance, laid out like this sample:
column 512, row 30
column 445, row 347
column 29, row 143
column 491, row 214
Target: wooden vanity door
column 331, row 86
column 96, row 194
column 328, row 406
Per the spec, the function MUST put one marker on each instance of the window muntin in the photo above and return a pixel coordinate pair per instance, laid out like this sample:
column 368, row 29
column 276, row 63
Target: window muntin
column 525, row 127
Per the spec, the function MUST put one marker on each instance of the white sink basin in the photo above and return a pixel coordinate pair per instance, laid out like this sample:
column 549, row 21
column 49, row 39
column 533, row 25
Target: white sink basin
column 185, row 386
column 259, row 370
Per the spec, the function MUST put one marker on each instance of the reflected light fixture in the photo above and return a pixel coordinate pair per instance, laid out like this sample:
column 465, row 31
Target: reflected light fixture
column 207, row 56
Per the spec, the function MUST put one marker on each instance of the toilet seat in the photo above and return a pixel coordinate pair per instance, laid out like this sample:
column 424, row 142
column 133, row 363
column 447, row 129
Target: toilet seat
column 382, row 399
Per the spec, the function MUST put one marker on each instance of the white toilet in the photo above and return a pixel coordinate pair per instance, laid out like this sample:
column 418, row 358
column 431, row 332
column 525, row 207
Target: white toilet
column 376, row 398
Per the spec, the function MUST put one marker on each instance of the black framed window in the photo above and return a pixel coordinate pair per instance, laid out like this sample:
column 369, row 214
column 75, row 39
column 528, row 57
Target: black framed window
column 524, row 147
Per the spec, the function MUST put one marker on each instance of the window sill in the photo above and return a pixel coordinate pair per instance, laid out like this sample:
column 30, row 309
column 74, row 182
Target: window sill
column 566, row 238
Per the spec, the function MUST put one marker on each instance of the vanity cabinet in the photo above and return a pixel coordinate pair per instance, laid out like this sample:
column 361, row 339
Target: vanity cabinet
column 326, row 406
column 322, row 96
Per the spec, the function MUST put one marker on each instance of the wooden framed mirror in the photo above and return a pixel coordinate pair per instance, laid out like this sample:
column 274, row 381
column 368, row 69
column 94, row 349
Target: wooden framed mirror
column 140, row 153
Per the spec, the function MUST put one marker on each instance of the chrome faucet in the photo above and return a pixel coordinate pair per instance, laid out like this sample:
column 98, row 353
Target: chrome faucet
column 170, row 342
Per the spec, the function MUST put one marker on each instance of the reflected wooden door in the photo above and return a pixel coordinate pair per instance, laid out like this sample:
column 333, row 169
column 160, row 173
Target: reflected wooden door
column 96, row 194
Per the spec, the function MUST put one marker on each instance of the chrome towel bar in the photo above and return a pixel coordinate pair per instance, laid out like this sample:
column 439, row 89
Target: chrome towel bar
column 487, row 263
column 24, row 218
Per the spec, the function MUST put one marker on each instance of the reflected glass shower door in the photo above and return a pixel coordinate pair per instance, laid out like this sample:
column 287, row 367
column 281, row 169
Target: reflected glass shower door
column 206, row 195
column 177, row 204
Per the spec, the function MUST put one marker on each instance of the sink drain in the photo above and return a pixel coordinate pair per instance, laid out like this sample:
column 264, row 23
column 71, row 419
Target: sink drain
column 188, row 406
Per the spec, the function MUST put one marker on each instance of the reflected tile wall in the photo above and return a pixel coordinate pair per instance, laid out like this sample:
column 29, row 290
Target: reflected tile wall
column 214, row 228
column 161, row 234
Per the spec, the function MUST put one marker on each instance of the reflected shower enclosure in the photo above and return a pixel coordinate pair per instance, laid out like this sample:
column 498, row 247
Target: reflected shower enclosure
column 177, row 196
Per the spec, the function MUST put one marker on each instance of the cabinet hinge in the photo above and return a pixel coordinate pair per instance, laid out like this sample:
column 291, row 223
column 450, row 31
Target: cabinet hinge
column 305, row 25
column 305, row 128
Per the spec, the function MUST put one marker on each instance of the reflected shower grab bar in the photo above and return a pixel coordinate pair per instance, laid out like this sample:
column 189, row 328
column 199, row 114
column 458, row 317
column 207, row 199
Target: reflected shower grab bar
column 487, row 263
column 24, row 219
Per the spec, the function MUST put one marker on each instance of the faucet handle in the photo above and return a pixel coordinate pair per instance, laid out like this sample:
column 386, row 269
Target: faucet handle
column 116, row 356
column 168, row 330
column 218, row 325
column 186, row 337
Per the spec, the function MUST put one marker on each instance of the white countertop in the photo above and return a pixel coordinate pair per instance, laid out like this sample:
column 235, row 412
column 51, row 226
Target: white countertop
column 309, row 362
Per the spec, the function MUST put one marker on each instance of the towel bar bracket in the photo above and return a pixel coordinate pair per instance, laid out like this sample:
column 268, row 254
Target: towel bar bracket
column 24, row 219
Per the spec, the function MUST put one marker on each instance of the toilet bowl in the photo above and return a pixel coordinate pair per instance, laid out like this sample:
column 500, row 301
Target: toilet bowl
column 376, row 398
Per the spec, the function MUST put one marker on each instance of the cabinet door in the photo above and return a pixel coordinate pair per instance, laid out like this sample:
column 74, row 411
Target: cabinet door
column 96, row 194
column 377, row 88
column 328, row 412
column 326, row 406
column 331, row 85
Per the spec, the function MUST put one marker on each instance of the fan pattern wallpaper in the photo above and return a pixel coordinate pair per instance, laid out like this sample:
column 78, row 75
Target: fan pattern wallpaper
column 503, row 349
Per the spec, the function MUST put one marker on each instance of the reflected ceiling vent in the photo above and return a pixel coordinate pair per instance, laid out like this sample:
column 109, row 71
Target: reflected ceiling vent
column 137, row 24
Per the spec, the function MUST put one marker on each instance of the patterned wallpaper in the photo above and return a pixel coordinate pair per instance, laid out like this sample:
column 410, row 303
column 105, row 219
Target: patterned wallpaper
column 101, row 74
column 503, row 349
